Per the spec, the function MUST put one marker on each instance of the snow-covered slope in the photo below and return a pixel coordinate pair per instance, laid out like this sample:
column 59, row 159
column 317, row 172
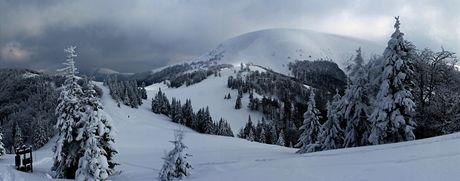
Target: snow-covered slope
column 143, row 137
column 275, row 48
column 210, row 92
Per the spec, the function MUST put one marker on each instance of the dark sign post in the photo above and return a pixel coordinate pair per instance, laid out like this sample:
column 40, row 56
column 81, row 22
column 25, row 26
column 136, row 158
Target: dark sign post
column 22, row 162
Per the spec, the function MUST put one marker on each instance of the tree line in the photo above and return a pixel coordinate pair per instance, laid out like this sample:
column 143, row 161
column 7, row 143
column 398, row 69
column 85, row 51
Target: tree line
column 201, row 121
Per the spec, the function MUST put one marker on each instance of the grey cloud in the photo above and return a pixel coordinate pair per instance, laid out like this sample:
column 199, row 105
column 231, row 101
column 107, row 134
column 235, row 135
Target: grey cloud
column 132, row 36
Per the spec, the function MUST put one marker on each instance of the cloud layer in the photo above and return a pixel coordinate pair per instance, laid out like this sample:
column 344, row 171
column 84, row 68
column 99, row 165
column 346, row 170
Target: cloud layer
column 132, row 36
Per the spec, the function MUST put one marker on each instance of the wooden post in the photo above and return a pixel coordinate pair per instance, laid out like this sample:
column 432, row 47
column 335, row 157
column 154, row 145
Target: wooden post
column 31, row 160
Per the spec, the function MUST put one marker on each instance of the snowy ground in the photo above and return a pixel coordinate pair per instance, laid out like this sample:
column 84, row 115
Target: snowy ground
column 143, row 137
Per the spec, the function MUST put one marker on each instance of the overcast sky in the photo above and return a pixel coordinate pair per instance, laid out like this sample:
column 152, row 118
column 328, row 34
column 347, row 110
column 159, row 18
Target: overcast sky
column 134, row 36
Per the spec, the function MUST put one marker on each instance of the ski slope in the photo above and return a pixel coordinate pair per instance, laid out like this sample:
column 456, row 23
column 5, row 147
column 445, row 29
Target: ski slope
column 142, row 138
column 275, row 48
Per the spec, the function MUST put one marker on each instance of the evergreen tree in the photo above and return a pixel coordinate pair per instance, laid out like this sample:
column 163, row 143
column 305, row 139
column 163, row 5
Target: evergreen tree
column 2, row 148
column 273, row 137
column 67, row 149
column 99, row 119
column 107, row 142
column 224, row 128
column 392, row 117
column 93, row 164
column 143, row 91
column 187, row 113
column 208, row 123
column 332, row 135
column 262, row 138
column 280, row 140
column 173, row 112
column 179, row 116
column 238, row 102
column 355, row 105
column 96, row 162
column 199, row 121
column 18, row 140
column 251, row 136
column 253, row 104
column 249, row 127
column 40, row 136
column 176, row 165
column 160, row 104
column 308, row 141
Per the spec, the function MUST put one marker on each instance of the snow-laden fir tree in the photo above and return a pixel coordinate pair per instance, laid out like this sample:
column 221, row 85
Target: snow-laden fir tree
column 273, row 137
column 332, row 135
column 40, row 136
column 355, row 105
column 251, row 136
column 394, row 107
column 68, row 149
column 280, row 140
column 107, row 142
column 94, row 164
column 311, row 128
column 2, row 148
column 224, row 128
column 262, row 137
column 238, row 102
column 176, row 165
column 18, row 140
column 105, row 130
column 187, row 113
column 174, row 110
column 208, row 123
column 160, row 104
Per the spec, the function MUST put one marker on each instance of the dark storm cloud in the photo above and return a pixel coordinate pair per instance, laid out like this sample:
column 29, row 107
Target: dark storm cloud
column 132, row 36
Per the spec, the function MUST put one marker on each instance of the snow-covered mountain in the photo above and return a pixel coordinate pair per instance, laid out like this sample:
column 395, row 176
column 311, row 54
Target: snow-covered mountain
column 275, row 48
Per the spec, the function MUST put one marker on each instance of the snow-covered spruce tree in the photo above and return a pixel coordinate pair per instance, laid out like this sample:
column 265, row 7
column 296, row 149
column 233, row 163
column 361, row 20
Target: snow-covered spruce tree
column 93, row 165
column 107, row 142
column 280, row 140
column 208, row 123
column 176, row 164
column 311, row 128
column 355, row 105
column 173, row 111
column 97, row 140
column 332, row 135
column 238, row 102
column 224, row 129
column 18, row 140
column 105, row 131
column 262, row 137
column 251, row 137
column 160, row 104
column 187, row 113
column 2, row 148
column 68, row 149
column 394, row 107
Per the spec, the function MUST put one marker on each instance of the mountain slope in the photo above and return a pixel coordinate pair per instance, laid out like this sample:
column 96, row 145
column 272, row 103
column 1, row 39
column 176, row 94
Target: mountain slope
column 143, row 137
column 275, row 48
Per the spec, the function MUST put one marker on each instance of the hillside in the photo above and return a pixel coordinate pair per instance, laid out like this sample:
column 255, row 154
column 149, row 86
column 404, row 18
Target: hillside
column 143, row 137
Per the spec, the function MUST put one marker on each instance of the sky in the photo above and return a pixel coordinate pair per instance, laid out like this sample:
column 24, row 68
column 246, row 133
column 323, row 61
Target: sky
column 139, row 35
